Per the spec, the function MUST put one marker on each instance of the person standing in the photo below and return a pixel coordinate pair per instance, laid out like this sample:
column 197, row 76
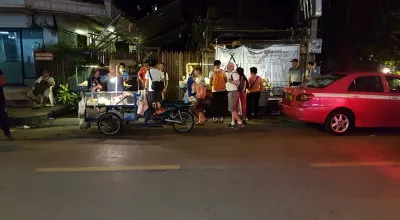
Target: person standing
column 102, row 69
column 201, row 90
column 182, row 87
column 161, row 67
column 312, row 72
column 154, row 78
column 142, row 74
column 122, row 71
column 233, row 96
column 114, row 81
column 190, row 85
column 295, row 74
column 244, row 84
column 218, row 80
column 256, row 86
column 5, row 126
column 94, row 84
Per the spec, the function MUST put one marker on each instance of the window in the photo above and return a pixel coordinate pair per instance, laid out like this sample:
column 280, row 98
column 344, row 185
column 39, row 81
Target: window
column 31, row 39
column 367, row 84
column 10, row 56
column 394, row 84
column 323, row 81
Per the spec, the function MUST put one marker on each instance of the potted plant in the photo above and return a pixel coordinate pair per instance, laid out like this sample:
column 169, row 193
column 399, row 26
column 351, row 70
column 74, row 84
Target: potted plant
column 66, row 97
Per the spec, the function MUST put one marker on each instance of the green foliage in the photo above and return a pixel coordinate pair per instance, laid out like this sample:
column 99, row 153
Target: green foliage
column 79, row 55
column 389, row 63
column 377, row 37
column 66, row 97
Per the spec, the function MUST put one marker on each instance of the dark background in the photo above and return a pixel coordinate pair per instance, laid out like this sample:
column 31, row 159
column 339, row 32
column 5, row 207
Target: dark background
column 352, row 30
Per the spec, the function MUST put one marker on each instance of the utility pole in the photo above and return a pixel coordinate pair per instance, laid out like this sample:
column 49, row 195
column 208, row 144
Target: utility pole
column 312, row 36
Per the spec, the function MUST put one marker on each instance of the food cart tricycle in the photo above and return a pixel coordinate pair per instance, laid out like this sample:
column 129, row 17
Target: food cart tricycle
column 113, row 109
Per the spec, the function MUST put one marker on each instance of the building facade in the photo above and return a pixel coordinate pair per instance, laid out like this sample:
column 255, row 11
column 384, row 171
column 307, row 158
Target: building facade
column 26, row 25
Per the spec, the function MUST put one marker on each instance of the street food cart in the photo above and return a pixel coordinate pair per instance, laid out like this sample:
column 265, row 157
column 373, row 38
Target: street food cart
column 110, row 110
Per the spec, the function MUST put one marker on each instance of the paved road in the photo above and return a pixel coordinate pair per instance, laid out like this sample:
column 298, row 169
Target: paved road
column 273, row 170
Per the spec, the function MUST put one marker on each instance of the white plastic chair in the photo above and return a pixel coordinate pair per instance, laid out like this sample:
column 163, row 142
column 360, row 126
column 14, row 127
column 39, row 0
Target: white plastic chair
column 50, row 97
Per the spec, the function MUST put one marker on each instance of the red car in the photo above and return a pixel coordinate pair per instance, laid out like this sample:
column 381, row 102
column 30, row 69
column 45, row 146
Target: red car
column 342, row 101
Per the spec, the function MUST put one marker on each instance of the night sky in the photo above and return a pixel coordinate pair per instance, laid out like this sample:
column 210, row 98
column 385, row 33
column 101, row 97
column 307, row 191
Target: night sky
column 279, row 13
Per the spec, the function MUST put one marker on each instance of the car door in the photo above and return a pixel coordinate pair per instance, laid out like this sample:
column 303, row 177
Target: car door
column 393, row 82
column 368, row 101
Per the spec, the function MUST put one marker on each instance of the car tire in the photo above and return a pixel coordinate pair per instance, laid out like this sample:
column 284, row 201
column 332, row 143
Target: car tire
column 339, row 122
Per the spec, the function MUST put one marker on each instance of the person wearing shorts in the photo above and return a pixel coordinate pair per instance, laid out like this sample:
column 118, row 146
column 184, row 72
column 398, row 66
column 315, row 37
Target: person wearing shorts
column 233, row 96
column 154, row 75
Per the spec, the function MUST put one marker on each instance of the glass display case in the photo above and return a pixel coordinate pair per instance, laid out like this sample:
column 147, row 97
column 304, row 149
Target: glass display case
column 110, row 99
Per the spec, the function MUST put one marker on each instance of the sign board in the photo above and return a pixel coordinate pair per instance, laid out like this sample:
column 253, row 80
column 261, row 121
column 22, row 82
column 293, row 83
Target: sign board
column 315, row 46
column 43, row 56
column 272, row 62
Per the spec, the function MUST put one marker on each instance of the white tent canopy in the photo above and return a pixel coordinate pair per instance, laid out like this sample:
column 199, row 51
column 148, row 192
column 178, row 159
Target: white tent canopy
column 272, row 62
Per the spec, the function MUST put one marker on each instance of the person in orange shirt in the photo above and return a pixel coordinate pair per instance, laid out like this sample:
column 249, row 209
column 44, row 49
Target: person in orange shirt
column 142, row 75
column 254, row 93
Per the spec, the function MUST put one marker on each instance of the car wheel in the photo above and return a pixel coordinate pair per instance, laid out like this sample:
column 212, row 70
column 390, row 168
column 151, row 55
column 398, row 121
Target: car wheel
column 339, row 122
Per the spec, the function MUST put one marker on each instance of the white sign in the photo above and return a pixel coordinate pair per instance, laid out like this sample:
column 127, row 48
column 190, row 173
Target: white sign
column 315, row 46
column 272, row 62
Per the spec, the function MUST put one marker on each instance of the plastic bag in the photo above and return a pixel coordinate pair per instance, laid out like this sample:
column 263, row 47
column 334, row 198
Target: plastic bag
column 84, row 124
column 142, row 104
column 81, row 109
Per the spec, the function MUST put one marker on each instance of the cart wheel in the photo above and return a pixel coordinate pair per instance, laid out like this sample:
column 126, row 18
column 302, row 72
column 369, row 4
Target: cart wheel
column 109, row 123
column 187, row 122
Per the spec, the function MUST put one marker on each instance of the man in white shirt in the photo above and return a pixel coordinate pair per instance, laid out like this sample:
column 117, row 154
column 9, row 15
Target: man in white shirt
column 233, row 96
column 295, row 74
column 154, row 75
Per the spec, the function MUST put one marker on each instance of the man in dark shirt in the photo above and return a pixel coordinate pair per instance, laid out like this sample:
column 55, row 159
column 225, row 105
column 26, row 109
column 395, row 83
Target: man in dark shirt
column 3, row 114
column 94, row 84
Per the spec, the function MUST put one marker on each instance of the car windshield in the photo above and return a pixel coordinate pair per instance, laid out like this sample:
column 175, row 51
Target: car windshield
column 322, row 81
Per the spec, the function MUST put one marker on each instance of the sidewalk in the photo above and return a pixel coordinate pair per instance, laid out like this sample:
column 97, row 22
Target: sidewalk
column 20, row 116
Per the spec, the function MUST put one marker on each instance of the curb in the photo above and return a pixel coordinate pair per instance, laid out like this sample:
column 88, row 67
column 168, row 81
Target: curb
column 39, row 119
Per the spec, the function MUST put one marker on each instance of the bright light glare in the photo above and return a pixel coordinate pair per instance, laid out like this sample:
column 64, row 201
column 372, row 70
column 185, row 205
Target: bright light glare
column 386, row 70
column 207, row 80
column 80, row 32
column 111, row 29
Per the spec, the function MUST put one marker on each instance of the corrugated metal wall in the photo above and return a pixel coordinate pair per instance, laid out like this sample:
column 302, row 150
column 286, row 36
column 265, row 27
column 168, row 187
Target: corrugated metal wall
column 175, row 63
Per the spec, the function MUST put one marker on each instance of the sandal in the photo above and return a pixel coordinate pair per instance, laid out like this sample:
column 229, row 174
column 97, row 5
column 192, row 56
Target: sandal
column 201, row 122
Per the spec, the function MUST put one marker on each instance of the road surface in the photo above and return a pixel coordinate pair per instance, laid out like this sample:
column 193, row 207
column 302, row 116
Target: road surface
column 271, row 170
